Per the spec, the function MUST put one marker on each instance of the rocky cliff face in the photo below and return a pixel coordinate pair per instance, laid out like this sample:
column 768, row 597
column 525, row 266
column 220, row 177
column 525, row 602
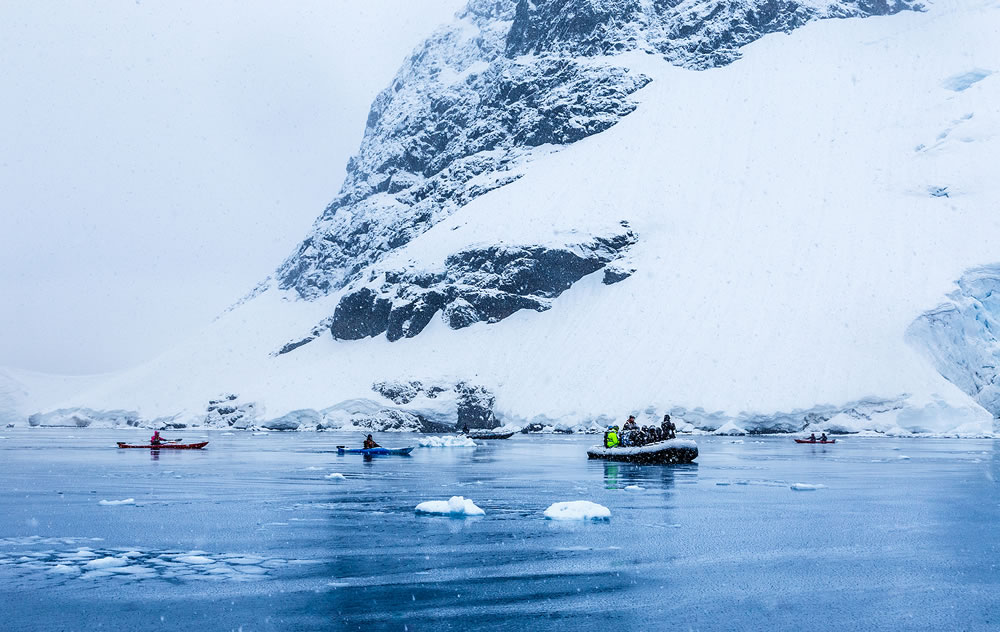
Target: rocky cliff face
column 463, row 114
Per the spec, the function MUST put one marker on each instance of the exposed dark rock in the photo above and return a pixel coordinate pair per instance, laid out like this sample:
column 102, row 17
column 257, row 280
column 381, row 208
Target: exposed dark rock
column 694, row 35
column 399, row 392
column 460, row 313
column 322, row 327
column 483, row 284
column 227, row 411
column 464, row 113
column 359, row 315
column 389, row 420
column 475, row 406
column 614, row 274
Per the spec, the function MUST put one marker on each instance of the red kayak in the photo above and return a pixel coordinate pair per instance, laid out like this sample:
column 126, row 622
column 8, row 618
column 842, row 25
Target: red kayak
column 808, row 441
column 167, row 446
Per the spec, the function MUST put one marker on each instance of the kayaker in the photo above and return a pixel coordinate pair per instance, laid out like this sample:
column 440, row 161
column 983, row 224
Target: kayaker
column 611, row 437
column 812, row 437
column 370, row 443
column 669, row 429
column 822, row 437
column 156, row 439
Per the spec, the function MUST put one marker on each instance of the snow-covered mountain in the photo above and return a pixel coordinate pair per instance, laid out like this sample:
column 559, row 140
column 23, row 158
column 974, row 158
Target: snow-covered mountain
column 745, row 212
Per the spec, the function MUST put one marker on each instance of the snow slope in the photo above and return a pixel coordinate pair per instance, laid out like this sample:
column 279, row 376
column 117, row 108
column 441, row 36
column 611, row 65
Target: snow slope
column 25, row 392
column 795, row 212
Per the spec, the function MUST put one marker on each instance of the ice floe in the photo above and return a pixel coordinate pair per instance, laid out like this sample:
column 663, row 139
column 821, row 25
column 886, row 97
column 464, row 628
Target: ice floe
column 106, row 562
column 577, row 510
column 337, row 476
column 805, row 487
column 633, row 487
column 446, row 442
column 454, row 506
column 125, row 564
column 127, row 501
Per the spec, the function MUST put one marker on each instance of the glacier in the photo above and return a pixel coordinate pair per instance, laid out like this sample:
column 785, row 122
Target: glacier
column 739, row 212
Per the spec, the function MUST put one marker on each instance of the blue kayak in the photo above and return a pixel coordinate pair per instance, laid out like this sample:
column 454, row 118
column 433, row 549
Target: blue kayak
column 373, row 451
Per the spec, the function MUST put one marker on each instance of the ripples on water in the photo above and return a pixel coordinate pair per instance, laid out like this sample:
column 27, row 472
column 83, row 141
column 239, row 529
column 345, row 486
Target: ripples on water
column 251, row 532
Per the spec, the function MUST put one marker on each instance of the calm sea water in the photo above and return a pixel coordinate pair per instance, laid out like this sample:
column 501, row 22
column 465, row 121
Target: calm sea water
column 250, row 533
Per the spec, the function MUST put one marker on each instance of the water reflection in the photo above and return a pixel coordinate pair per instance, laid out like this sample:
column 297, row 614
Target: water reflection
column 621, row 475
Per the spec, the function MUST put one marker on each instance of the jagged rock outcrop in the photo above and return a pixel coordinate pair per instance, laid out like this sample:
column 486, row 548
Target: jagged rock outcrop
column 696, row 34
column 469, row 106
column 227, row 410
column 478, row 285
column 475, row 406
column 441, row 407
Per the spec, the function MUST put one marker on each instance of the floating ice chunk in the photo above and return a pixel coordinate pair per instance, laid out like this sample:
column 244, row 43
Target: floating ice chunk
column 65, row 569
column 195, row 559
column 633, row 487
column 127, row 501
column 337, row 476
column 447, row 442
column 805, row 487
column 244, row 560
column 105, row 562
column 577, row 510
column 902, row 457
column 454, row 506
column 250, row 570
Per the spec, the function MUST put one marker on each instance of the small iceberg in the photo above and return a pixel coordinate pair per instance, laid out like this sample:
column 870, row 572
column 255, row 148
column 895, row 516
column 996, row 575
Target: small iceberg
column 106, row 562
column 633, row 487
column 447, row 442
column 65, row 569
column 805, row 487
column 337, row 476
column 454, row 506
column 127, row 501
column 577, row 510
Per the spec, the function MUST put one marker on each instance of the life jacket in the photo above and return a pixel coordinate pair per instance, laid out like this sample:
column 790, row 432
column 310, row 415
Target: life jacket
column 612, row 441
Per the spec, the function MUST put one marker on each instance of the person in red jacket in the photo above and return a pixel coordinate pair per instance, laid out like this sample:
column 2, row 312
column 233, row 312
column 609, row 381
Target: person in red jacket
column 156, row 439
column 370, row 443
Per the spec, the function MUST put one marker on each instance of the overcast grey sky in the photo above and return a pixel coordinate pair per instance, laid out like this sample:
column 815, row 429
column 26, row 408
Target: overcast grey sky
column 158, row 159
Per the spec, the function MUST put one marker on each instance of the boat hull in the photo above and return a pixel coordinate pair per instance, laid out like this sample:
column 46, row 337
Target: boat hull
column 490, row 437
column 166, row 446
column 374, row 451
column 672, row 451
